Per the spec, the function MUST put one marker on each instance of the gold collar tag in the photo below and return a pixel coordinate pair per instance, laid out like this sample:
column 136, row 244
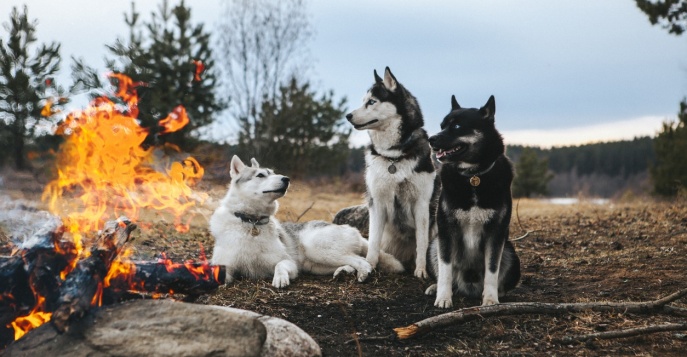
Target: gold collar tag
column 474, row 181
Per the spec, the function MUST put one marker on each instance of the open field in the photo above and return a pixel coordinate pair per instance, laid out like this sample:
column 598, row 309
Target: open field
column 631, row 251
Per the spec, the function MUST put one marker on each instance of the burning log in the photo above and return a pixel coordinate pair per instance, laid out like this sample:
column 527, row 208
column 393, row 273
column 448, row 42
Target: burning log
column 31, row 281
column 165, row 277
column 84, row 284
column 32, row 272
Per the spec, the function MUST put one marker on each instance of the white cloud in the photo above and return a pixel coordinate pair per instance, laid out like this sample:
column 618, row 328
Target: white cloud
column 602, row 132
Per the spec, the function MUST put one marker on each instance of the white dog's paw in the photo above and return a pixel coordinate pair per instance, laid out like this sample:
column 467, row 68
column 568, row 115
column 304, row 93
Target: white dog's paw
column 489, row 300
column 443, row 302
column 363, row 272
column 431, row 290
column 344, row 269
column 421, row 273
column 281, row 280
column 373, row 261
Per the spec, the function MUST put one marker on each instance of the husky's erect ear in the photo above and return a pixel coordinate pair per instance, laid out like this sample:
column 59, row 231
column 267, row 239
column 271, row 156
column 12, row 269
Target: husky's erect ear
column 236, row 166
column 489, row 109
column 454, row 103
column 389, row 80
column 254, row 163
column 378, row 79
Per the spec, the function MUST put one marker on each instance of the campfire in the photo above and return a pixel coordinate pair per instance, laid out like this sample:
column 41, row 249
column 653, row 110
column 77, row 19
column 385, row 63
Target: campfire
column 104, row 178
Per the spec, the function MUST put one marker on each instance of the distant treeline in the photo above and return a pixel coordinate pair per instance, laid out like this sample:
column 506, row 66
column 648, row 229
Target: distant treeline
column 619, row 158
column 602, row 169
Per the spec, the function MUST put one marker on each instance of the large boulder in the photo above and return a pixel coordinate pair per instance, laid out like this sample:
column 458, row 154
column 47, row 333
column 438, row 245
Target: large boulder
column 167, row 328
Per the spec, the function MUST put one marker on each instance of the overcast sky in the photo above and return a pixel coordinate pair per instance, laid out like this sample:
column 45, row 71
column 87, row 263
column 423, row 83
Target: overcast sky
column 562, row 72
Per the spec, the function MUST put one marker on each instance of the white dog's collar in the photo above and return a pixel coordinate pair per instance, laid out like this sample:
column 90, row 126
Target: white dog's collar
column 252, row 219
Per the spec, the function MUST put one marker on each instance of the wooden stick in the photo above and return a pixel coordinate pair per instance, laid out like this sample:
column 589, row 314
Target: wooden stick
column 631, row 332
column 523, row 308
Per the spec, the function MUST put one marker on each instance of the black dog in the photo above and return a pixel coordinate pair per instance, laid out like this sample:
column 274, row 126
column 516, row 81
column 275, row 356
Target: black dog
column 472, row 252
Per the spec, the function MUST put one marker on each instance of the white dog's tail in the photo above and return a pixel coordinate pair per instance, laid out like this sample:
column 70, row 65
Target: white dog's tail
column 389, row 263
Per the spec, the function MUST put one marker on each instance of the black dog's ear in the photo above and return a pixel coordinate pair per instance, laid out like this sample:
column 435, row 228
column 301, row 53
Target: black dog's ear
column 489, row 109
column 377, row 77
column 389, row 80
column 454, row 103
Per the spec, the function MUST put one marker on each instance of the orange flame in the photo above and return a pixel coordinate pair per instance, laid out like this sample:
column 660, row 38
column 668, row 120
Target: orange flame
column 103, row 165
column 103, row 173
column 176, row 120
column 200, row 67
column 35, row 318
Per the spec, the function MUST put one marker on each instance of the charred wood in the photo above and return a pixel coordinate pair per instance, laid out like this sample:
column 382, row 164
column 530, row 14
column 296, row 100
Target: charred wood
column 83, row 283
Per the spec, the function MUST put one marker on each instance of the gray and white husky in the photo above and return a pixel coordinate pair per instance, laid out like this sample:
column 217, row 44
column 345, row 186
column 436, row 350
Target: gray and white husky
column 252, row 243
column 399, row 175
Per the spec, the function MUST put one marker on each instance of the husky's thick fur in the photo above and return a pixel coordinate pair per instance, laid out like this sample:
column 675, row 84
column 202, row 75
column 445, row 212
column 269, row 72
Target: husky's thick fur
column 399, row 175
column 252, row 243
column 472, row 252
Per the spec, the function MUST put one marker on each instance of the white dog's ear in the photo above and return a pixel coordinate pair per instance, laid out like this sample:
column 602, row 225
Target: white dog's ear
column 236, row 166
column 254, row 163
column 389, row 80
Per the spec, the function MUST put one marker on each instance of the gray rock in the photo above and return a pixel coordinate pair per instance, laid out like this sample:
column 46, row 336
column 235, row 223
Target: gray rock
column 167, row 328
column 283, row 337
column 355, row 216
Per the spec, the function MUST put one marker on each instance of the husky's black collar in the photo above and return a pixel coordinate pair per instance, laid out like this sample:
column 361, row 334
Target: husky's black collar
column 252, row 219
column 471, row 173
column 474, row 174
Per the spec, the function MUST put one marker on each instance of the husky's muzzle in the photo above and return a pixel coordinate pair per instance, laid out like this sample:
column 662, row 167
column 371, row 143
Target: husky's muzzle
column 443, row 149
column 349, row 117
column 282, row 190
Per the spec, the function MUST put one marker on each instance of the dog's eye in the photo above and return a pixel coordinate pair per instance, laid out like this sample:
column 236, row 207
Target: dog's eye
column 371, row 101
column 260, row 175
column 457, row 126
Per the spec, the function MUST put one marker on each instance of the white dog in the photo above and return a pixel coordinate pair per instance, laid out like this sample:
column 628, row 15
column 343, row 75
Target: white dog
column 251, row 242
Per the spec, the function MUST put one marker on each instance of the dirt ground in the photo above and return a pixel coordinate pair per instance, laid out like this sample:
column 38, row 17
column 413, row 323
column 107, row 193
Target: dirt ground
column 629, row 251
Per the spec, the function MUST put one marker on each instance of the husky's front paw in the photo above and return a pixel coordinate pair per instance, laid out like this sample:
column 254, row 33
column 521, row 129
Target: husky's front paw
column 372, row 261
column 443, row 302
column 421, row 273
column 489, row 300
column 281, row 280
column 363, row 272
column 344, row 269
column 431, row 290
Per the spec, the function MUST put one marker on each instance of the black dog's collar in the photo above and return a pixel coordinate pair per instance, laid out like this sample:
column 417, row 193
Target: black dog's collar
column 474, row 176
column 252, row 219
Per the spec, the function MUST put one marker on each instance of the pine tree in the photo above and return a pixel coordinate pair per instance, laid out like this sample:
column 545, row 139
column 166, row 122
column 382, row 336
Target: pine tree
column 173, row 61
column 299, row 133
column 532, row 175
column 670, row 172
column 671, row 14
column 27, row 88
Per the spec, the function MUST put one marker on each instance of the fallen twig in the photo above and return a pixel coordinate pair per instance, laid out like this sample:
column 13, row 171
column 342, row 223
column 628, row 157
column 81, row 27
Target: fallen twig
column 625, row 333
column 306, row 211
column 370, row 339
column 524, row 235
column 524, row 308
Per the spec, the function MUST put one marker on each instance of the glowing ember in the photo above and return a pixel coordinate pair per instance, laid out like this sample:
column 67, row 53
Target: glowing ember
column 200, row 67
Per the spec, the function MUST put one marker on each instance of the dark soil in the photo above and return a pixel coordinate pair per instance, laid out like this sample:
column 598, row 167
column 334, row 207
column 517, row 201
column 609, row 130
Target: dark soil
column 578, row 253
